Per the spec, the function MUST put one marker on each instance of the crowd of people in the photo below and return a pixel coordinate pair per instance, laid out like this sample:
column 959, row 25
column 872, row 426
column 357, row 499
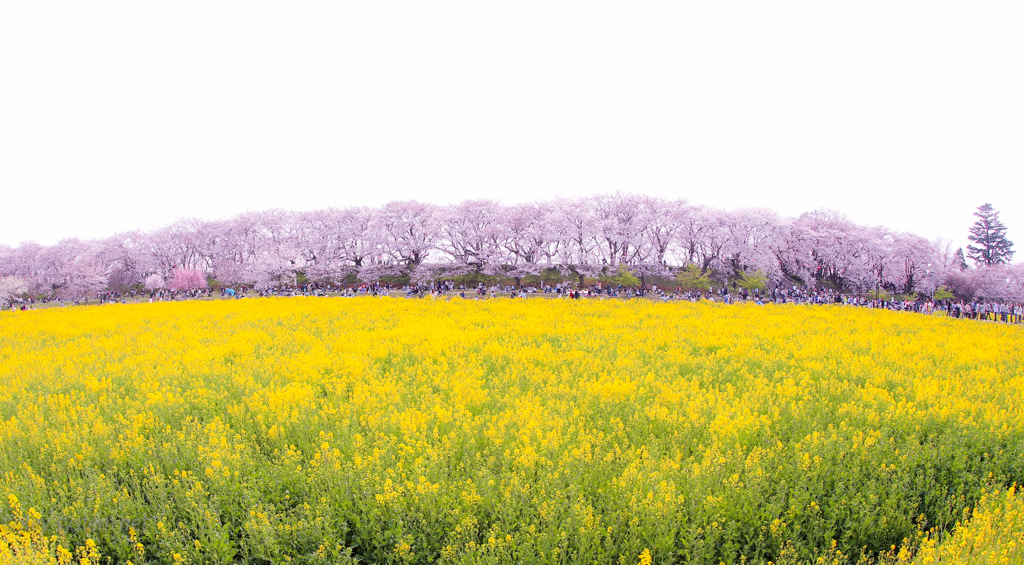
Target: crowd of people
column 976, row 309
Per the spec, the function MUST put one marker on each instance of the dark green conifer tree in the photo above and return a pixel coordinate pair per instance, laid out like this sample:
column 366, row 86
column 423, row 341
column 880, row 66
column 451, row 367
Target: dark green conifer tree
column 988, row 235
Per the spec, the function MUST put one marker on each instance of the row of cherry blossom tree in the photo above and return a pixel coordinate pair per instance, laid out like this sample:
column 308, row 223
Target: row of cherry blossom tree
column 565, row 237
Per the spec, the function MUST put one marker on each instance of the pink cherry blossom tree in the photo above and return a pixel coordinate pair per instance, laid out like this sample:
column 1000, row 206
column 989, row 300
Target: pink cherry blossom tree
column 529, row 244
column 407, row 231
column 666, row 219
column 337, row 242
column 187, row 279
column 84, row 279
column 620, row 220
column 470, row 235
column 916, row 260
column 747, row 247
column 154, row 282
column 72, row 269
column 575, row 223
column 11, row 288
column 580, row 237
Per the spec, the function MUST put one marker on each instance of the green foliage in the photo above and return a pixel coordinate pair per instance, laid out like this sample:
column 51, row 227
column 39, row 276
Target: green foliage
column 943, row 293
column 691, row 278
column 470, row 279
column 622, row 277
column 756, row 280
column 902, row 297
column 880, row 294
column 551, row 276
column 394, row 280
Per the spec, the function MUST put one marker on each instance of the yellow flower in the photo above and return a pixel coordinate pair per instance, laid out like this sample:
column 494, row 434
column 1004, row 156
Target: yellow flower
column 543, row 415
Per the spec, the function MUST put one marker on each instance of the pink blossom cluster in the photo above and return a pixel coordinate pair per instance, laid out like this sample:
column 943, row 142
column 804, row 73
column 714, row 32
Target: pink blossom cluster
column 579, row 237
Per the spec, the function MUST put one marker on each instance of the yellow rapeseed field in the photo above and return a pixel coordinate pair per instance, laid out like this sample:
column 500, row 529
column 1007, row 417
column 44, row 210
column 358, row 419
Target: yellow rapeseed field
column 992, row 534
column 316, row 430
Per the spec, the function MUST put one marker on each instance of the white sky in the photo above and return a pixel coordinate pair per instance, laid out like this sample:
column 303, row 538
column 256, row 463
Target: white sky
column 122, row 115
